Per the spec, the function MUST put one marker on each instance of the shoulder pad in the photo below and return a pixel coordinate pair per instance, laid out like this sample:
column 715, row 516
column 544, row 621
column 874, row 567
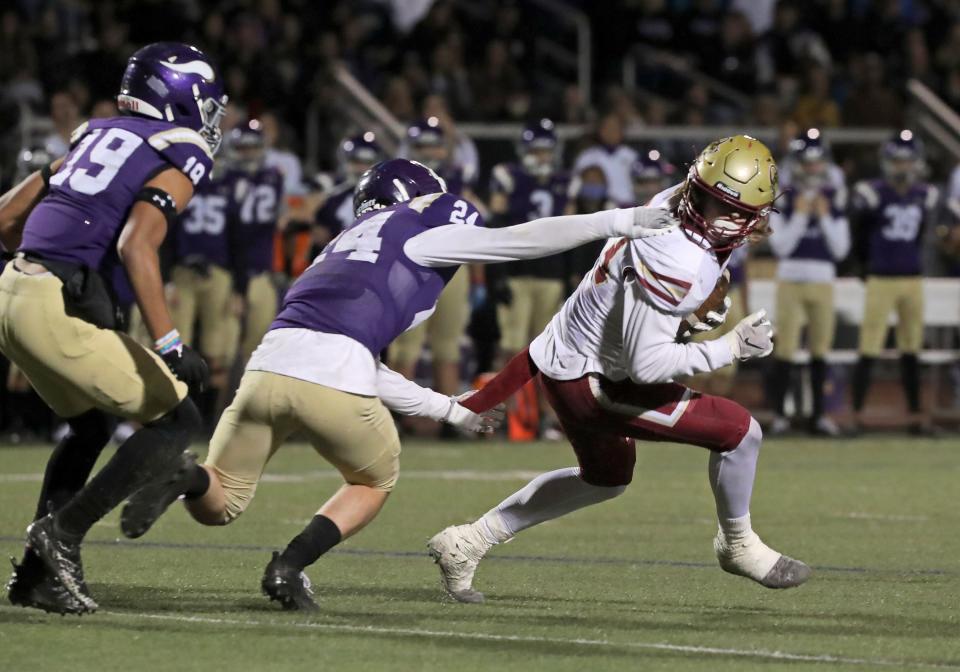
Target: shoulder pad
column 866, row 193
column 668, row 268
column 184, row 149
column 78, row 133
column 502, row 178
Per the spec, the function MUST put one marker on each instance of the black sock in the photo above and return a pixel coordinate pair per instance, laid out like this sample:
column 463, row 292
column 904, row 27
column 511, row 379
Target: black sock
column 910, row 375
column 317, row 538
column 861, row 381
column 198, row 484
column 779, row 384
column 72, row 460
column 141, row 457
column 818, row 384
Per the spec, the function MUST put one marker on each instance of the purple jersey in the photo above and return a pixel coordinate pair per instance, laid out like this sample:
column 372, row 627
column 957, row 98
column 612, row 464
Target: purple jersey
column 813, row 245
column 336, row 213
column 202, row 230
column 530, row 197
column 893, row 224
column 256, row 200
column 80, row 218
column 363, row 285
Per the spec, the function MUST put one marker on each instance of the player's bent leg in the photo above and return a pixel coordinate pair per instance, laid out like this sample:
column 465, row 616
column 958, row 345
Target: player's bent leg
column 738, row 548
column 458, row 549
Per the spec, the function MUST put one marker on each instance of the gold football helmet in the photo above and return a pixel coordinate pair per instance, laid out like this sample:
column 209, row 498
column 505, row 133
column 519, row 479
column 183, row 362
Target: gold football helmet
column 741, row 174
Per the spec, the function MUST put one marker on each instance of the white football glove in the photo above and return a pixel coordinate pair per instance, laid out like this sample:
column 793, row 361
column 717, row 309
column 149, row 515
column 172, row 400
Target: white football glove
column 711, row 320
column 648, row 222
column 463, row 418
column 752, row 337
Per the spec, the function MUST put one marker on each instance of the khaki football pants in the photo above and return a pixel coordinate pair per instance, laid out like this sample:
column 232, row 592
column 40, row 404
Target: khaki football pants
column 75, row 366
column 903, row 294
column 443, row 329
column 205, row 300
column 535, row 302
column 354, row 433
column 800, row 303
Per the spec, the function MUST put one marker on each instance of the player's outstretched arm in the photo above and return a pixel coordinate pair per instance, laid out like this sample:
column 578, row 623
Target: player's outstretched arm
column 407, row 398
column 457, row 244
column 19, row 201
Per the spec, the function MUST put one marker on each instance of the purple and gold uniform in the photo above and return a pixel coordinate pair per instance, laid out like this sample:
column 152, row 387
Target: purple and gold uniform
column 204, row 271
column 73, row 364
column 892, row 224
column 536, row 285
column 256, row 200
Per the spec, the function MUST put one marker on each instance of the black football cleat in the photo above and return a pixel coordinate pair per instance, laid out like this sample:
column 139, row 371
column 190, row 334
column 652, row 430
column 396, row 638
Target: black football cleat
column 62, row 558
column 287, row 585
column 146, row 505
column 33, row 585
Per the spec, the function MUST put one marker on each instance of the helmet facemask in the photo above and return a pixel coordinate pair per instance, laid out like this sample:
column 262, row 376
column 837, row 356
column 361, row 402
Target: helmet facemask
column 721, row 220
column 212, row 112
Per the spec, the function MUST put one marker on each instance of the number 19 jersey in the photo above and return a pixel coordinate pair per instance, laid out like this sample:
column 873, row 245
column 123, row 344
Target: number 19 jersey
column 364, row 286
column 90, row 196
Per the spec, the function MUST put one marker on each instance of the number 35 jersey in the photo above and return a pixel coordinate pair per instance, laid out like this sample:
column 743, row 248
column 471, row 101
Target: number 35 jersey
column 90, row 196
column 364, row 286
column 894, row 225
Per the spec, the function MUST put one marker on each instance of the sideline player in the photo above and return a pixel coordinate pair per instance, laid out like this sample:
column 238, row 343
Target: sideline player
column 890, row 217
column 109, row 201
column 316, row 371
column 607, row 360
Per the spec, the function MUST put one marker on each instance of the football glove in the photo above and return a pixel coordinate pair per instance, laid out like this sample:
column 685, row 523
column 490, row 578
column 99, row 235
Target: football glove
column 188, row 366
column 752, row 337
column 484, row 422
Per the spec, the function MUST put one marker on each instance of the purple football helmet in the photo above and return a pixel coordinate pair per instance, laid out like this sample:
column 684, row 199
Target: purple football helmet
column 901, row 158
column 175, row 82
column 428, row 143
column 650, row 175
column 538, row 147
column 358, row 153
column 812, row 155
column 394, row 181
column 247, row 146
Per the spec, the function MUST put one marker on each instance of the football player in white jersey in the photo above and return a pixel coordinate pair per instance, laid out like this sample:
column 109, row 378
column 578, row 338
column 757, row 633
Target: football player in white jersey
column 608, row 359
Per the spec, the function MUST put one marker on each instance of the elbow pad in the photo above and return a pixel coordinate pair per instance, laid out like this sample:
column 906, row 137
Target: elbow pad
column 161, row 200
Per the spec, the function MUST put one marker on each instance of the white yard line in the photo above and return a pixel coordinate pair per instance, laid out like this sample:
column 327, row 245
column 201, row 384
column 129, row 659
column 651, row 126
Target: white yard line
column 895, row 518
column 759, row 654
column 321, row 475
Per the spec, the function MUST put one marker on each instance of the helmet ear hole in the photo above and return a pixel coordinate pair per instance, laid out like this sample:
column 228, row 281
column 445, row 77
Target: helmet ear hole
column 182, row 109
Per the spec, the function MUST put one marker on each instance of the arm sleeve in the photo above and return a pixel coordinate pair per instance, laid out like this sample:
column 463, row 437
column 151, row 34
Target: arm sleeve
column 456, row 244
column 836, row 233
column 787, row 232
column 407, row 398
column 649, row 343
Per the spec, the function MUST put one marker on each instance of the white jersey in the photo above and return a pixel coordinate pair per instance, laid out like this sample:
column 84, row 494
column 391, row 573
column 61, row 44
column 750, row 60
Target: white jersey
column 622, row 320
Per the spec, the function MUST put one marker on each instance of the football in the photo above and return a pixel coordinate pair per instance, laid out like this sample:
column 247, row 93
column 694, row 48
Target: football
column 713, row 303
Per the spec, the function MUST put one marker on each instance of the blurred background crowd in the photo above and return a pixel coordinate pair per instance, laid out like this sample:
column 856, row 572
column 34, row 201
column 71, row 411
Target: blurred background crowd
column 533, row 108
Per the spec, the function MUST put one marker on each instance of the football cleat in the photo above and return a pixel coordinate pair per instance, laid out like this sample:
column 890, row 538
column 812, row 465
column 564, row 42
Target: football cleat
column 32, row 585
column 62, row 558
column 287, row 585
column 755, row 560
column 146, row 505
column 458, row 550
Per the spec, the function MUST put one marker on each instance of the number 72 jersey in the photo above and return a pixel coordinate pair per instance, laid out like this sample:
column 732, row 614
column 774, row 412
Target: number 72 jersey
column 90, row 196
column 364, row 286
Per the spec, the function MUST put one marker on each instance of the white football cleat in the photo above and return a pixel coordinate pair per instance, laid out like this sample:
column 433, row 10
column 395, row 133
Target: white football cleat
column 752, row 558
column 458, row 550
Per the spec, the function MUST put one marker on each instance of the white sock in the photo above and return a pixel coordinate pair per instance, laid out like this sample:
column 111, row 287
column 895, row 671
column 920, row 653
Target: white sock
column 736, row 529
column 548, row 496
column 732, row 474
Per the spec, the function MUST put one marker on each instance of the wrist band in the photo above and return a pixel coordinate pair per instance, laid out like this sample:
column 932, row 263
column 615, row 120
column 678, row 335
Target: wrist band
column 168, row 342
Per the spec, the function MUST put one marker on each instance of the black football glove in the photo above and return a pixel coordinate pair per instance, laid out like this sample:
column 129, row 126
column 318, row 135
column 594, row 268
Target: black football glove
column 187, row 365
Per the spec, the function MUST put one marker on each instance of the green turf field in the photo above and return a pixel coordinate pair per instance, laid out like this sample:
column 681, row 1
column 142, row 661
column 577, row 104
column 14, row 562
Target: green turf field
column 628, row 584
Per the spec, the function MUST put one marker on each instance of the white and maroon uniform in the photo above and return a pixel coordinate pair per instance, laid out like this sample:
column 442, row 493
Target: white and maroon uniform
column 608, row 359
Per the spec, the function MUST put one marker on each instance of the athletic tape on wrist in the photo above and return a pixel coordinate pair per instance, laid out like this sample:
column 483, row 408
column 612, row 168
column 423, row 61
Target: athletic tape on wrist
column 168, row 342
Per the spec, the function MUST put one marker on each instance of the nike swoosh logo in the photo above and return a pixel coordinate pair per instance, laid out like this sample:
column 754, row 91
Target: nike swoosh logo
column 752, row 345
